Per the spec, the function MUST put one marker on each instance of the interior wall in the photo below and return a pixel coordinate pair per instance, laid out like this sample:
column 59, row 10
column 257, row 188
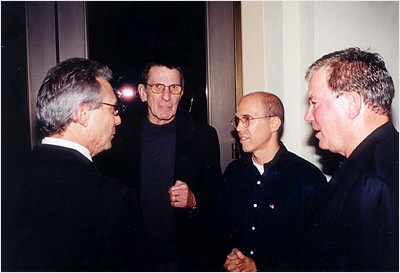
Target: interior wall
column 367, row 24
column 294, row 34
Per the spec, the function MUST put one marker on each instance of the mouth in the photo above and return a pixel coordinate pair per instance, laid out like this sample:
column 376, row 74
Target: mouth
column 316, row 129
column 243, row 138
column 165, row 107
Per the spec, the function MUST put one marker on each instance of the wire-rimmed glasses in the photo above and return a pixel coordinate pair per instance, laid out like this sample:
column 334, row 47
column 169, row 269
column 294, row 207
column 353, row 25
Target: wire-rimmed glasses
column 158, row 88
column 117, row 108
column 245, row 120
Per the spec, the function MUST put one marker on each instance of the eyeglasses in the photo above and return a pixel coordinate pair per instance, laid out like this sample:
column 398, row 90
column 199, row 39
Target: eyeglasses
column 116, row 107
column 245, row 120
column 158, row 88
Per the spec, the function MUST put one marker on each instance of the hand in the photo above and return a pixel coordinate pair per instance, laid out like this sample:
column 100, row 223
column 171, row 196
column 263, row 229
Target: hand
column 236, row 261
column 181, row 196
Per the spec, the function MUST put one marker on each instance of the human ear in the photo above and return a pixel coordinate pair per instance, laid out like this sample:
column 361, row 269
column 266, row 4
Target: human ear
column 355, row 102
column 142, row 92
column 82, row 114
column 275, row 123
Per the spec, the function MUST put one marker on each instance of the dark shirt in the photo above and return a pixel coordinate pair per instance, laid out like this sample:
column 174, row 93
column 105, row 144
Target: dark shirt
column 196, row 162
column 356, row 227
column 158, row 160
column 263, row 215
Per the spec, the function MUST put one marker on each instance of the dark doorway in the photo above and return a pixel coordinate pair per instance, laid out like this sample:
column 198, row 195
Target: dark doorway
column 128, row 35
column 15, row 134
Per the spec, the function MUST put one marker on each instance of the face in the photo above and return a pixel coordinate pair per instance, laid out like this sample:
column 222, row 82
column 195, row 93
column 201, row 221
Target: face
column 161, row 107
column 103, row 121
column 257, row 137
column 326, row 113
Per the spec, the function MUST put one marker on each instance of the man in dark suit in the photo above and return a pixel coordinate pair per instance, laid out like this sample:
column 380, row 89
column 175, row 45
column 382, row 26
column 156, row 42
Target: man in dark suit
column 356, row 228
column 174, row 163
column 62, row 213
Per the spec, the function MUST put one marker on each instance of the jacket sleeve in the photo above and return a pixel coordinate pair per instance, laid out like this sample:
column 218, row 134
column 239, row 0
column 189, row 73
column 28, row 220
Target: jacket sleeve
column 372, row 226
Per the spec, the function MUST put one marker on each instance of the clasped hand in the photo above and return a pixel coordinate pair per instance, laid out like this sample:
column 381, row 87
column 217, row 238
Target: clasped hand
column 181, row 196
column 236, row 261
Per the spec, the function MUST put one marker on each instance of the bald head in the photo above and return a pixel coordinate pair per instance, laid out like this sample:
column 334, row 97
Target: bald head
column 271, row 104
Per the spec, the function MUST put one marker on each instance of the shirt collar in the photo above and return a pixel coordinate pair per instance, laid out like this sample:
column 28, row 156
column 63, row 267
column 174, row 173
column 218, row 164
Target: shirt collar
column 67, row 144
column 258, row 166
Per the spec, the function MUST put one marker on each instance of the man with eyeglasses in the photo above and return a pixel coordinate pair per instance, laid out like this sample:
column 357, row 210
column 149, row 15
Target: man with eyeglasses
column 174, row 163
column 267, row 195
column 60, row 213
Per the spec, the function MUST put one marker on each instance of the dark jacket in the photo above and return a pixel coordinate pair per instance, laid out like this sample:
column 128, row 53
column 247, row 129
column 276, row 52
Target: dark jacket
column 62, row 214
column 197, row 162
column 356, row 228
column 263, row 215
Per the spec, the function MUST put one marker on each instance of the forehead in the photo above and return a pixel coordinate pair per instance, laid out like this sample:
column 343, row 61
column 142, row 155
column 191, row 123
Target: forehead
column 318, row 83
column 250, row 105
column 162, row 72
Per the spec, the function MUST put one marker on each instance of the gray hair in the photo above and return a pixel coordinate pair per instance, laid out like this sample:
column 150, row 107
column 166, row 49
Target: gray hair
column 354, row 70
column 66, row 86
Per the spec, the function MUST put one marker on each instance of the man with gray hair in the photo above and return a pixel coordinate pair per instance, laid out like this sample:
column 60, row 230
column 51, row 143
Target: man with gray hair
column 64, row 214
column 356, row 228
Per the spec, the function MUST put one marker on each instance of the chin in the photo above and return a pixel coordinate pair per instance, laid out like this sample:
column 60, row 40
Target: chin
column 167, row 117
column 107, row 147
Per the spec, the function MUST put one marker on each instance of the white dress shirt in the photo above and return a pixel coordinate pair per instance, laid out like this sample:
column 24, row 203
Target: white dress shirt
column 67, row 144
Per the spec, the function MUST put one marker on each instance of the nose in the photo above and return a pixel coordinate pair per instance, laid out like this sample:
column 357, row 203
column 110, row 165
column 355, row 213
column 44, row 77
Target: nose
column 166, row 95
column 309, row 115
column 117, row 120
column 240, row 127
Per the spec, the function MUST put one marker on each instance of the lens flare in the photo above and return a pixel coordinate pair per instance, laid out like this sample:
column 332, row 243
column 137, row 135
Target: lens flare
column 127, row 93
